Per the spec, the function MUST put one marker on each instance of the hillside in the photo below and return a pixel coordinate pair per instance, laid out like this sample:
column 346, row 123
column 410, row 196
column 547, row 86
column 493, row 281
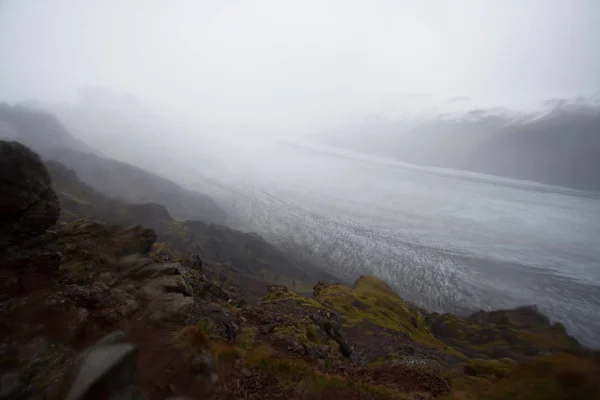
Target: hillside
column 97, row 311
column 241, row 262
column 46, row 135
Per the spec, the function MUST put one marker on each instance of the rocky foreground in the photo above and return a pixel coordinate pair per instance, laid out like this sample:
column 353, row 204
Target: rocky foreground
column 94, row 310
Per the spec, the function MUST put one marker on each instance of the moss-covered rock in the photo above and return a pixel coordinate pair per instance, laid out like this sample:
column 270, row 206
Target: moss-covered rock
column 371, row 302
column 516, row 333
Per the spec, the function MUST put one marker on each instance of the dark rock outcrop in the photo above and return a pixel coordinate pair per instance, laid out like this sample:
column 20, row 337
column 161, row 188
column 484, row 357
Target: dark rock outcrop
column 28, row 205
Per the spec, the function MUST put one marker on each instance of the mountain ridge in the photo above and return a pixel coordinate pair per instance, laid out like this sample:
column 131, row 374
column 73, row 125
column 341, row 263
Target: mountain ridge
column 555, row 146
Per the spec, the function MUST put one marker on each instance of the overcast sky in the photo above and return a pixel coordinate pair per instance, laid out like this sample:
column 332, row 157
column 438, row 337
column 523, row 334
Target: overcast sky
column 300, row 63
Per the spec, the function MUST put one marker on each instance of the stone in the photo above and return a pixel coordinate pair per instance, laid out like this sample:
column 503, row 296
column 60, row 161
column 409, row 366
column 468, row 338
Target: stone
column 220, row 321
column 10, row 385
column 214, row 291
column 129, row 308
column 28, row 205
column 277, row 290
column 266, row 329
column 246, row 372
column 296, row 347
column 170, row 307
column 132, row 262
column 174, row 284
column 153, row 270
column 96, row 295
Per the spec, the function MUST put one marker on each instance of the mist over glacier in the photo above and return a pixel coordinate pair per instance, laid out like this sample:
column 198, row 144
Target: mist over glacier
column 447, row 240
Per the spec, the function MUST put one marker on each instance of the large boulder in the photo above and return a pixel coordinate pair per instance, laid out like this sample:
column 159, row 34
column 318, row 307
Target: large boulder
column 28, row 205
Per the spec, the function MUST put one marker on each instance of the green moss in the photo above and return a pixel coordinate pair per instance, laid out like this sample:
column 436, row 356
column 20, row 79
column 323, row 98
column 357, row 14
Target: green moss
column 372, row 301
column 161, row 251
column 312, row 333
column 246, row 337
column 553, row 377
column 496, row 368
column 298, row 377
column 190, row 339
column 225, row 353
column 489, row 336
column 203, row 325
column 77, row 270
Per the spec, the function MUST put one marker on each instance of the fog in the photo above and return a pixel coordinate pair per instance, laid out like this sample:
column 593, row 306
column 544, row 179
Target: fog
column 364, row 133
column 288, row 66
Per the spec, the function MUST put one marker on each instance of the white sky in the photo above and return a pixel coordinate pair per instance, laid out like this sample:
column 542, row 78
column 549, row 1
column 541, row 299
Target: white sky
column 303, row 63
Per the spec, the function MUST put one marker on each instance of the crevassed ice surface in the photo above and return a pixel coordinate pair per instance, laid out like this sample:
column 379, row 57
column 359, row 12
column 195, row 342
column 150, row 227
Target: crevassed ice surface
column 447, row 240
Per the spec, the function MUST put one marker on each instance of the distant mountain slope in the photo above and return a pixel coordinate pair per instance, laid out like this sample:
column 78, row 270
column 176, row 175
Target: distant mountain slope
column 135, row 185
column 37, row 129
column 558, row 146
column 46, row 135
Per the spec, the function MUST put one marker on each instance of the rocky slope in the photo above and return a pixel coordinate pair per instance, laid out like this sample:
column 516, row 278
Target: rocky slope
column 98, row 311
column 241, row 262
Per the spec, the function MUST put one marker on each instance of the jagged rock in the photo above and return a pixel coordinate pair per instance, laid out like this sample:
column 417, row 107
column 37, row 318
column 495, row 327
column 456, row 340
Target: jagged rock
column 169, row 308
column 515, row 333
column 195, row 263
column 319, row 287
column 154, row 270
column 28, row 205
column 118, row 243
column 133, row 262
column 108, row 371
column 168, row 289
column 215, row 291
column 266, row 329
column 96, row 295
column 167, row 278
column 330, row 323
column 316, row 351
column 246, row 372
column 277, row 290
column 129, row 308
column 173, row 284
column 296, row 347
column 219, row 320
